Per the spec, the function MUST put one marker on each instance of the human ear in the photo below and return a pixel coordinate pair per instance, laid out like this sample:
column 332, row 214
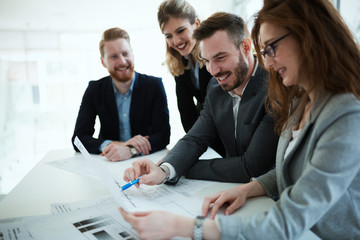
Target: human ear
column 102, row 62
column 197, row 22
column 247, row 46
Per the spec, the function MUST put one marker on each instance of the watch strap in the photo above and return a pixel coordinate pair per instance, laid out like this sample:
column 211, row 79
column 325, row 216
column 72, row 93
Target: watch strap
column 167, row 172
column 133, row 150
column 198, row 227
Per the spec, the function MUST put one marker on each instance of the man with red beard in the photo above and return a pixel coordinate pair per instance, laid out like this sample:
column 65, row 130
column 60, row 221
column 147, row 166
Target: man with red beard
column 234, row 110
column 132, row 107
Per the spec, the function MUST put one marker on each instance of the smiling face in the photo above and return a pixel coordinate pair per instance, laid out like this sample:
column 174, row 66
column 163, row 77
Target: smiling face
column 119, row 59
column 224, row 61
column 286, row 61
column 178, row 34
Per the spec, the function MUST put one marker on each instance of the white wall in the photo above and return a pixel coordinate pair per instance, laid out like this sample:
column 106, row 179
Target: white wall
column 49, row 52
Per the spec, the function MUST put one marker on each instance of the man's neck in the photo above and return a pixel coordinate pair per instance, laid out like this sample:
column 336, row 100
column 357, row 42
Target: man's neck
column 123, row 87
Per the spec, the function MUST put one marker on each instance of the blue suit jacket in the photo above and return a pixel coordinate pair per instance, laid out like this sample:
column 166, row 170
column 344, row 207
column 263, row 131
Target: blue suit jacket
column 185, row 93
column 149, row 114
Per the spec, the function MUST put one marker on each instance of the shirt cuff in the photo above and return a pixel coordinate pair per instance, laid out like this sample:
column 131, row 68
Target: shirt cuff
column 104, row 144
column 217, row 223
column 172, row 170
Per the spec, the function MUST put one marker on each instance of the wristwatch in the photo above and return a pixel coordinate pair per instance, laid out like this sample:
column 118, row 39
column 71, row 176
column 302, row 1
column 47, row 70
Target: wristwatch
column 198, row 227
column 132, row 150
column 167, row 172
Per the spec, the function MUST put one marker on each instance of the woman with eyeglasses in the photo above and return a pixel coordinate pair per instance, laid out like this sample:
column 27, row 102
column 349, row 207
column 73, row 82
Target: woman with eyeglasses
column 314, row 92
column 177, row 20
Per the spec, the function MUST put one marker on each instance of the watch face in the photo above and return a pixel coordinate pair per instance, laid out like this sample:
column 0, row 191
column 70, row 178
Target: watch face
column 133, row 151
column 199, row 220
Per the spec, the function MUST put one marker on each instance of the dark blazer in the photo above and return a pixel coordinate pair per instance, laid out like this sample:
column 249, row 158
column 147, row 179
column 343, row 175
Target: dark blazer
column 248, row 154
column 149, row 114
column 185, row 93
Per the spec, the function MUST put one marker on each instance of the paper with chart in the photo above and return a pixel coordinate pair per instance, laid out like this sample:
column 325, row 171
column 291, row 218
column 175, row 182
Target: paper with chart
column 94, row 220
column 102, row 221
column 158, row 197
column 66, row 207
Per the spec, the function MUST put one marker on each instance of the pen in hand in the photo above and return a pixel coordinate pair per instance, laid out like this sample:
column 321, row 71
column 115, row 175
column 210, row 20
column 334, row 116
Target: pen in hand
column 126, row 186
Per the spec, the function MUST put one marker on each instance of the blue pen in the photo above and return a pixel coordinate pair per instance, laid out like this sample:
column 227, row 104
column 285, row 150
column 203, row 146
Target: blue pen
column 126, row 186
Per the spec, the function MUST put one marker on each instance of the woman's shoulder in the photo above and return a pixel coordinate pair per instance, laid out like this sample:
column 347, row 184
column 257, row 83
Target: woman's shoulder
column 336, row 106
column 342, row 103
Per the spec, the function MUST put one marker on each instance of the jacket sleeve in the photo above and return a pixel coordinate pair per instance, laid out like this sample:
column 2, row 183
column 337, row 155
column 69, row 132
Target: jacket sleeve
column 159, row 136
column 258, row 158
column 187, row 150
column 84, row 127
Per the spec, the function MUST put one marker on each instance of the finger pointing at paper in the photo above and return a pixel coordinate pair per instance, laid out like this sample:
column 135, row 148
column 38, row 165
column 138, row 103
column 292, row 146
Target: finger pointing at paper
column 151, row 173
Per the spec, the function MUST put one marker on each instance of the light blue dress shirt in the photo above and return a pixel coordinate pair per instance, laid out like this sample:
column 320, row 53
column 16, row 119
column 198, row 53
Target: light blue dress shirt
column 123, row 102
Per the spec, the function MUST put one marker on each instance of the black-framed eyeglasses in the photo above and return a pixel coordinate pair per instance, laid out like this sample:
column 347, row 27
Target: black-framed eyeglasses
column 270, row 48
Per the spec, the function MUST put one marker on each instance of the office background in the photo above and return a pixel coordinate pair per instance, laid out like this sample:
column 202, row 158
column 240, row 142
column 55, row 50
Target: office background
column 49, row 52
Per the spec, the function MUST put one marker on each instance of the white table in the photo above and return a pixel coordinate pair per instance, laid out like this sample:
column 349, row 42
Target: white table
column 46, row 184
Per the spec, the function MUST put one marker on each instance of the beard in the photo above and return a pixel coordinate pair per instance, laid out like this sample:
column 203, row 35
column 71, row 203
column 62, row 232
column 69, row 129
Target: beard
column 240, row 72
column 122, row 77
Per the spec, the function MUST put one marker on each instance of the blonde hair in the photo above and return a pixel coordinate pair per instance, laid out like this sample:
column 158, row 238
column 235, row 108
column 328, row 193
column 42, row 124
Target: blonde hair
column 183, row 10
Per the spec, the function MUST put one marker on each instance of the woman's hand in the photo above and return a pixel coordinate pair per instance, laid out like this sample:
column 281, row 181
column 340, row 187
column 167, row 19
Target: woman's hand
column 236, row 197
column 159, row 224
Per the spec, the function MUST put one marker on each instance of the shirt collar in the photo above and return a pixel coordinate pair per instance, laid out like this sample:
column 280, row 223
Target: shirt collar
column 232, row 94
column 256, row 66
column 131, row 87
column 192, row 65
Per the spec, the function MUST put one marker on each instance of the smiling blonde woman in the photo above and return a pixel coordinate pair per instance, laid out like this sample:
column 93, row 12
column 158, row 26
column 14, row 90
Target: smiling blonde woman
column 177, row 21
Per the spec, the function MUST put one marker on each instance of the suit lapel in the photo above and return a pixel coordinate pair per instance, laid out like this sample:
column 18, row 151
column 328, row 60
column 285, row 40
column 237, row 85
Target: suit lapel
column 285, row 139
column 280, row 155
column 204, row 79
column 187, row 77
column 135, row 101
column 289, row 157
column 111, row 103
column 254, row 85
column 229, row 126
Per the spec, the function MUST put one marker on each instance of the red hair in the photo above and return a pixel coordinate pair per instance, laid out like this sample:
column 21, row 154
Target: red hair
column 330, row 55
